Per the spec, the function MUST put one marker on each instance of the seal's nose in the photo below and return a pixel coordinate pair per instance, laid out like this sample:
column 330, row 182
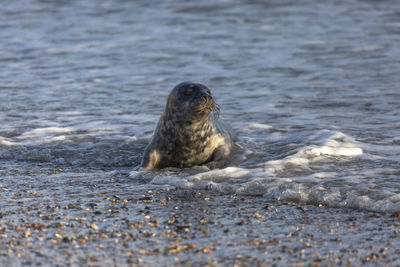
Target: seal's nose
column 205, row 96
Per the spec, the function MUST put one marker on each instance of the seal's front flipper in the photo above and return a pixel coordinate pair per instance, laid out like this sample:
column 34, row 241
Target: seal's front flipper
column 219, row 156
column 220, row 153
column 151, row 160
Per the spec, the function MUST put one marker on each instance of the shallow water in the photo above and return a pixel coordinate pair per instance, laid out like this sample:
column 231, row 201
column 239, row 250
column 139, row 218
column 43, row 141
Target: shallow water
column 311, row 90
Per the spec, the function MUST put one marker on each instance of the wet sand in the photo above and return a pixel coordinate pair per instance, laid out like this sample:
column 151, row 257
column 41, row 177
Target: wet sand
column 128, row 225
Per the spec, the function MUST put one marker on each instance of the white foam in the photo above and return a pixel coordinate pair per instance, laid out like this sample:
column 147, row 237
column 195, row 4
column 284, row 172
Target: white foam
column 323, row 143
column 305, row 176
column 171, row 179
column 395, row 198
column 322, row 175
column 219, row 174
column 247, row 128
column 336, row 151
column 291, row 162
column 6, row 143
column 43, row 132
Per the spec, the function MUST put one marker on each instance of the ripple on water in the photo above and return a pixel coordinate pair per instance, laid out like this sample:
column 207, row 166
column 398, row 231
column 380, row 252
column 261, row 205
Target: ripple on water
column 311, row 90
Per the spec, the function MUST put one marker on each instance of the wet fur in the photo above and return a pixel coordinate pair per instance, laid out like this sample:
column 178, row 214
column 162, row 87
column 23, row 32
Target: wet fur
column 189, row 132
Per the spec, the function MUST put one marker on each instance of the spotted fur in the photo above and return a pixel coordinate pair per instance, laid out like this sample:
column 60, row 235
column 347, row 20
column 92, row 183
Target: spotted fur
column 189, row 132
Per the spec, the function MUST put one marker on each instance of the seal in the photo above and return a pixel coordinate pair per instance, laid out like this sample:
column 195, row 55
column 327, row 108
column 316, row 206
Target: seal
column 189, row 131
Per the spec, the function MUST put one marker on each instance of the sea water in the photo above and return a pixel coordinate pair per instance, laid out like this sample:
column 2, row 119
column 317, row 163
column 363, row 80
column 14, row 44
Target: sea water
column 312, row 89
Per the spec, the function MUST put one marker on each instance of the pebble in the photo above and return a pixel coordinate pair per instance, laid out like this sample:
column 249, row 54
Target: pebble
column 190, row 227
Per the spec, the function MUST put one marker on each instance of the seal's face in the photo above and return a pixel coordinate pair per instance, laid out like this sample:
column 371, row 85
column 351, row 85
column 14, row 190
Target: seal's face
column 190, row 101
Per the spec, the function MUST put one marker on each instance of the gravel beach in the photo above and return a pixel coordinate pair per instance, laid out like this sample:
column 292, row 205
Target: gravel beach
column 135, row 226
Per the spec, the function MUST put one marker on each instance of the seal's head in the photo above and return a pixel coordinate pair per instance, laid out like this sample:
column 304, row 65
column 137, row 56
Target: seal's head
column 190, row 101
